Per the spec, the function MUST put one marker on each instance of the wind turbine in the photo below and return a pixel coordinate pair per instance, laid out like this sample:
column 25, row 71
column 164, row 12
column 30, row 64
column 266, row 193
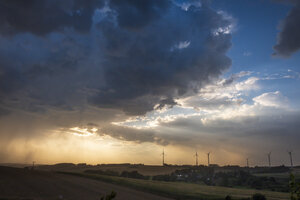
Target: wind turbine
column 33, row 164
column 196, row 155
column 291, row 158
column 247, row 162
column 163, row 157
column 208, row 158
column 269, row 158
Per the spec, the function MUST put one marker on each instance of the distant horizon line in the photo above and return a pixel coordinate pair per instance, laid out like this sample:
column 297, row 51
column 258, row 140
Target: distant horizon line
column 166, row 164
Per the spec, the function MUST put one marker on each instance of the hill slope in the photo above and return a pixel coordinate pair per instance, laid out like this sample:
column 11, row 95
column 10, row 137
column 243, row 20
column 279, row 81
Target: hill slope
column 16, row 183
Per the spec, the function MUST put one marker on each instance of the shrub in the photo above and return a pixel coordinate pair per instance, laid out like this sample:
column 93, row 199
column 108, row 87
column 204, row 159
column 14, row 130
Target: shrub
column 110, row 196
column 228, row 197
column 133, row 174
column 258, row 196
column 294, row 188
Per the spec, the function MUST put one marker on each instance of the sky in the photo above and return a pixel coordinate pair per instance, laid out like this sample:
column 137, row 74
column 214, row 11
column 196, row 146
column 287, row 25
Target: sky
column 119, row 81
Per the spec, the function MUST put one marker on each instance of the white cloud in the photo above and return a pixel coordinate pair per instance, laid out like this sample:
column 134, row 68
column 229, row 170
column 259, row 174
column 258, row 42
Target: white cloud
column 221, row 107
column 223, row 93
column 223, row 30
column 247, row 53
column 249, row 84
column 222, row 99
column 272, row 99
column 224, row 115
column 181, row 45
column 288, row 74
column 186, row 5
column 230, row 28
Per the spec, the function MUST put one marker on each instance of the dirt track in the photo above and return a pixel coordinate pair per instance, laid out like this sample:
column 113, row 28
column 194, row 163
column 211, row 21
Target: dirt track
column 30, row 184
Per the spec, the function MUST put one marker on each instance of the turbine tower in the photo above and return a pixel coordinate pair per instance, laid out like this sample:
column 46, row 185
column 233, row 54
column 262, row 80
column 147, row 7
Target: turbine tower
column 291, row 158
column 208, row 158
column 163, row 157
column 269, row 158
column 247, row 162
column 196, row 155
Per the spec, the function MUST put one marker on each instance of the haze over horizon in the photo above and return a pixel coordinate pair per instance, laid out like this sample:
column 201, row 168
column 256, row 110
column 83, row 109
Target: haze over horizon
column 118, row 81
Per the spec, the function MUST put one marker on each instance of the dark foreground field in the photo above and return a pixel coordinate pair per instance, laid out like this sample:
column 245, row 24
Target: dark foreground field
column 17, row 183
column 73, row 183
column 186, row 191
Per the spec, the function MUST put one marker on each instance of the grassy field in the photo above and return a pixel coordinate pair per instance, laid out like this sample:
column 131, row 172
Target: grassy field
column 275, row 175
column 26, row 184
column 146, row 170
column 180, row 190
column 285, row 175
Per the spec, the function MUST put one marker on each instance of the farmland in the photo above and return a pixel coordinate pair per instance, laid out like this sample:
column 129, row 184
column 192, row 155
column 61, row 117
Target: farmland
column 147, row 170
column 183, row 190
column 18, row 183
column 162, row 181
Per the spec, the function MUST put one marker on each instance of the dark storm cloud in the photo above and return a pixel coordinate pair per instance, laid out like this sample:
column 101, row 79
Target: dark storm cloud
column 42, row 17
column 133, row 57
column 264, row 132
column 280, row 131
column 288, row 41
column 11, row 76
column 37, row 73
column 132, row 134
column 286, row 1
column 3, row 112
column 134, row 14
column 171, row 55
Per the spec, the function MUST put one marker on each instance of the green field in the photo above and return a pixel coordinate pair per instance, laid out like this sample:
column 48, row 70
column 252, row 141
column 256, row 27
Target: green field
column 285, row 175
column 146, row 170
column 181, row 190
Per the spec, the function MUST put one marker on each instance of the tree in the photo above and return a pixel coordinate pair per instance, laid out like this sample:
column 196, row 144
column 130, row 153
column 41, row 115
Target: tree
column 259, row 196
column 110, row 196
column 294, row 188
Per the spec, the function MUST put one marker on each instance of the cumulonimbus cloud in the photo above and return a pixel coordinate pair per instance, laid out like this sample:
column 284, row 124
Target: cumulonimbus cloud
column 288, row 41
column 43, row 17
column 115, row 54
